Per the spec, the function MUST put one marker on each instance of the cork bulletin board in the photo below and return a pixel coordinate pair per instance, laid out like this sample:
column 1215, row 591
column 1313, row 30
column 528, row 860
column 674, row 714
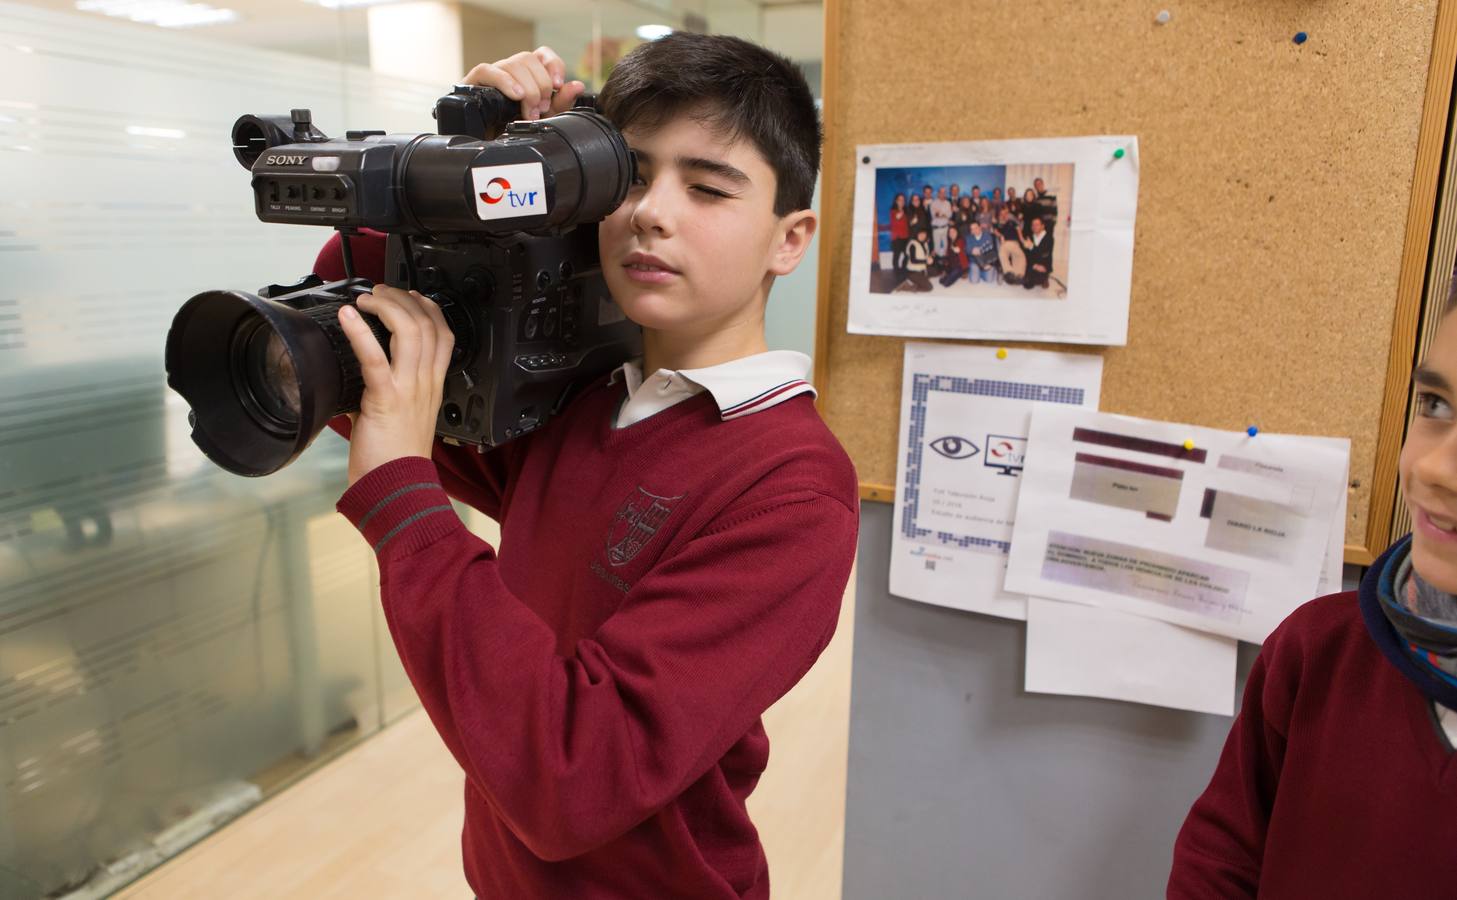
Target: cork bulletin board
column 1285, row 203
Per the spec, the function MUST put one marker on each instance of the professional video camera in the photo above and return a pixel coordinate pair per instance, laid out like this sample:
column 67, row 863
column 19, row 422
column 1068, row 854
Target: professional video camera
column 498, row 228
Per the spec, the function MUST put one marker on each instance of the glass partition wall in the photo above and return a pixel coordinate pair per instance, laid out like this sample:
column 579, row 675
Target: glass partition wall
column 176, row 642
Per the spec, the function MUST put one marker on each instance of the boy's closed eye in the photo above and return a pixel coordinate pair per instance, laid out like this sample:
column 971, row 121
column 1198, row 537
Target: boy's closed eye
column 640, row 180
column 717, row 179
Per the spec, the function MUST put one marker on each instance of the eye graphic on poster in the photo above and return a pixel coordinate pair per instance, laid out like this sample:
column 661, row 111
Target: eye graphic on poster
column 953, row 447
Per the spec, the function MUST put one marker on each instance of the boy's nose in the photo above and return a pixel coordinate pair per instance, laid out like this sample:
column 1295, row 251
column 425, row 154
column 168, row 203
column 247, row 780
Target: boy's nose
column 1437, row 468
column 652, row 213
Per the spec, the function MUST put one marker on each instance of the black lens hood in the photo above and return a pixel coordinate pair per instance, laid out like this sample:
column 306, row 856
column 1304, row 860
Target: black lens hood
column 203, row 366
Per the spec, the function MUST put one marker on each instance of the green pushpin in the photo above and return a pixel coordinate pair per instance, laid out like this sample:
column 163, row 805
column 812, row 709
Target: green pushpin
column 1118, row 154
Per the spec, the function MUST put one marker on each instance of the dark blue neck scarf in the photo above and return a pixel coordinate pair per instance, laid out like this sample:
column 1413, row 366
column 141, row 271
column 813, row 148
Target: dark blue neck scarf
column 1413, row 624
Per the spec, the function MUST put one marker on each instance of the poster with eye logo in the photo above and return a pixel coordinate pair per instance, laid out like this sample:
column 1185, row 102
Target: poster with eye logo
column 963, row 441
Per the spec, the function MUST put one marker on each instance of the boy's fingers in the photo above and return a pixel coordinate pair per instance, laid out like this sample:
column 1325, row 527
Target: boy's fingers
column 566, row 98
column 444, row 341
column 429, row 338
column 553, row 65
column 534, row 70
column 373, row 364
column 532, row 63
column 409, row 301
column 493, row 76
column 404, row 332
column 520, row 67
column 416, row 303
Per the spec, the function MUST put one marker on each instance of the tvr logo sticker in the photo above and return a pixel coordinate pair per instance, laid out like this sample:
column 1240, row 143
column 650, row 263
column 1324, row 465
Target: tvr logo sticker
column 495, row 190
column 504, row 192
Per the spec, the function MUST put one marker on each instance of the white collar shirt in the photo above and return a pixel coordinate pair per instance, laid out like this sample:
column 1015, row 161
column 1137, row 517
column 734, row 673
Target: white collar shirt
column 739, row 387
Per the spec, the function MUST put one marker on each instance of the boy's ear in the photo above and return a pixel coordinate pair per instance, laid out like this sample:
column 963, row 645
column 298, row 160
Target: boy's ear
column 792, row 239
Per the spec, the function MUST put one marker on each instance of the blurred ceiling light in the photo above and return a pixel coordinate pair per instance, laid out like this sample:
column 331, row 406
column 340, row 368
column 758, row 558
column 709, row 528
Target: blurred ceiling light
column 162, row 13
column 345, row 4
column 653, row 32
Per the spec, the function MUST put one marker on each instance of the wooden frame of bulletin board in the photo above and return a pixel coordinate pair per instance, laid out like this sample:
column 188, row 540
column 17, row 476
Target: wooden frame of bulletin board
column 1285, row 214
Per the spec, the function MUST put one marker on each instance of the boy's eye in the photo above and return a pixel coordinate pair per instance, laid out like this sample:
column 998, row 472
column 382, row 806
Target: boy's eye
column 709, row 191
column 1431, row 406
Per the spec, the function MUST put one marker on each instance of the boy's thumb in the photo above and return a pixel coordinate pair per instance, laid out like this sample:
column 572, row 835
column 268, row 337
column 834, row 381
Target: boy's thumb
column 569, row 93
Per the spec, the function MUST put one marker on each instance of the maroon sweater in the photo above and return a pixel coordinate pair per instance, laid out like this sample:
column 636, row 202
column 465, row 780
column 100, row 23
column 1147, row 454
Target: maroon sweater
column 601, row 678
column 1335, row 781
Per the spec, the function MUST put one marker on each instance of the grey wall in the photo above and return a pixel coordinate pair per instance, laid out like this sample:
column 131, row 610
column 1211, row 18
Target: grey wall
column 962, row 785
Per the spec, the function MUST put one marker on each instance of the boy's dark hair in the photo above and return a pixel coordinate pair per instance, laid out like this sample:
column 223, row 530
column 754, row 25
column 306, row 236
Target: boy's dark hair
column 739, row 87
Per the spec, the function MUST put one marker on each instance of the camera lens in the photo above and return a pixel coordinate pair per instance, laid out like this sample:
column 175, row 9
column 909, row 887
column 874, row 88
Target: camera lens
column 268, row 375
column 262, row 377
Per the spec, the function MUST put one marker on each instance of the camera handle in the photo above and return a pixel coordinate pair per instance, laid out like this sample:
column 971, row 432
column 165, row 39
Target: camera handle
column 483, row 112
column 475, row 111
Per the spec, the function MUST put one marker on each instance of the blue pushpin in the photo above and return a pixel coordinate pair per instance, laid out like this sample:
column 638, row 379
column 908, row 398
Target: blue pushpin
column 1300, row 37
column 1252, row 431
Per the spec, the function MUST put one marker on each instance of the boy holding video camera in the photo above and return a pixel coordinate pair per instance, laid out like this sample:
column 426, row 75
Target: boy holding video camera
column 675, row 544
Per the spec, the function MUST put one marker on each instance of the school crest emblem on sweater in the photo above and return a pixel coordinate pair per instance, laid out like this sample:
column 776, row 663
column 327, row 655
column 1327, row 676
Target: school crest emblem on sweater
column 636, row 522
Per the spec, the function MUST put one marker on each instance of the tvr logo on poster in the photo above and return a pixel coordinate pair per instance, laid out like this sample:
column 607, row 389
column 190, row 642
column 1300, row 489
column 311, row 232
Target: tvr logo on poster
column 1005, row 453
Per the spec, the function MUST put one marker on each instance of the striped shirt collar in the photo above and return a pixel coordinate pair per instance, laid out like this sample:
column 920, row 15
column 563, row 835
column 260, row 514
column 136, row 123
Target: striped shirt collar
column 740, row 387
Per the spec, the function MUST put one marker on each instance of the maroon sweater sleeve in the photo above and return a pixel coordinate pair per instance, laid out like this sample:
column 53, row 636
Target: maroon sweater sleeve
column 573, row 750
column 480, row 480
column 1220, row 850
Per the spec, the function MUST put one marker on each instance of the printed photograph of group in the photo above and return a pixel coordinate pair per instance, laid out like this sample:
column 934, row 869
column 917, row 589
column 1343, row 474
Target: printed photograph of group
column 988, row 231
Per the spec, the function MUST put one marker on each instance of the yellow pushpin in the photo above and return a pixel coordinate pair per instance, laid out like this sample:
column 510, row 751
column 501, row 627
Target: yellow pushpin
column 1189, row 444
column 1001, row 353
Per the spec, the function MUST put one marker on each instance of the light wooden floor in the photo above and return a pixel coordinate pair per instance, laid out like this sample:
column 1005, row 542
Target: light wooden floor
column 384, row 819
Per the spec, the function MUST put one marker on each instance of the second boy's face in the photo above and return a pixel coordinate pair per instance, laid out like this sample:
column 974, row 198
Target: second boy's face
column 1429, row 463
column 691, row 248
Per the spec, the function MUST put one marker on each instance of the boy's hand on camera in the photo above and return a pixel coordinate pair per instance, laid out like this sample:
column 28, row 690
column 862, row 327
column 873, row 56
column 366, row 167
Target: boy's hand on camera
column 536, row 78
column 402, row 391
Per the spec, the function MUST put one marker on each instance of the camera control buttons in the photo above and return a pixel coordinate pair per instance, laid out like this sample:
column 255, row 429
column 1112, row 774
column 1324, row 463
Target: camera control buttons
column 541, row 362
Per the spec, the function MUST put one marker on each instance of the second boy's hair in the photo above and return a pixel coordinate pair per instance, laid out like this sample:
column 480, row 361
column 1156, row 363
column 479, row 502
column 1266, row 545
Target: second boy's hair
column 738, row 87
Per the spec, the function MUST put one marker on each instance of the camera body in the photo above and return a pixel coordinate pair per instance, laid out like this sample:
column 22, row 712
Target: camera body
column 497, row 223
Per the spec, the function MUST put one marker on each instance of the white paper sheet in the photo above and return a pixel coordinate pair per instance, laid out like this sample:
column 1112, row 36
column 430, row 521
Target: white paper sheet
column 1088, row 651
column 1332, row 575
column 1228, row 536
column 963, row 426
column 1091, row 201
